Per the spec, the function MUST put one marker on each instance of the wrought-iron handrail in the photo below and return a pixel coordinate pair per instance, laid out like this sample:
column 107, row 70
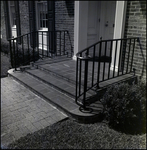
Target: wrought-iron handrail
column 101, row 61
column 39, row 44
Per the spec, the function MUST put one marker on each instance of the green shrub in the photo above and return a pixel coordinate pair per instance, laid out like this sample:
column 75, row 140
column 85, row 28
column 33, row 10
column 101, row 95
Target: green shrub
column 125, row 107
column 4, row 47
column 24, row 57
column 20, row 58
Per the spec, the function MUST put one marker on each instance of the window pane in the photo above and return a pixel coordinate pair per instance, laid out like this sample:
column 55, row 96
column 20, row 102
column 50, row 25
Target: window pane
column 43, row 23
column 42, row 12
column 46, row 16
column 46, row 23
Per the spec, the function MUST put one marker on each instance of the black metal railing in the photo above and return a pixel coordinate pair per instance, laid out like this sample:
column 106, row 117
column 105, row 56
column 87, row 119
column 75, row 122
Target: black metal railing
column 39, row 44
column 104, row 60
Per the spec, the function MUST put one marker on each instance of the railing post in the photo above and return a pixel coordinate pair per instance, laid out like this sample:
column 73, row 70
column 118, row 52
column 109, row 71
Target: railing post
column 28, row 47
column 33, row 47
column 85, row 83
column 80, row 70
column 22, row 51
column 115, row 59
column 42, row 43
column 60, row 42
column 11, row 54
column 77, row 79
column 132, row 55
column 64, row 42
column 14, row 56
column 98, row 74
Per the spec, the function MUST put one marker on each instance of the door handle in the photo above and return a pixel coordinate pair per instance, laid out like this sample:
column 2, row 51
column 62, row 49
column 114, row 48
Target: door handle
column 106, row 24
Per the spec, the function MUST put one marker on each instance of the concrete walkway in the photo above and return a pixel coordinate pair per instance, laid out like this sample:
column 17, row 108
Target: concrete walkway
column 23, row 112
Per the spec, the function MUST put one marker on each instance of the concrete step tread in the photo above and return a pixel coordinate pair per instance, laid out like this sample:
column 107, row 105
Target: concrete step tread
column 55, row 97
column 51, row 60
column 58, row 83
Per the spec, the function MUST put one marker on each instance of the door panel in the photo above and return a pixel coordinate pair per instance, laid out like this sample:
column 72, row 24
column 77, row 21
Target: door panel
column 107, row 19
column 107, row 23
column 101, row 18
column 93, row 22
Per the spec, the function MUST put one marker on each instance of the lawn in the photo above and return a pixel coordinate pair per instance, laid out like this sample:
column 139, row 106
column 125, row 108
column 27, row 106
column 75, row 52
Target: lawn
column 68, row 134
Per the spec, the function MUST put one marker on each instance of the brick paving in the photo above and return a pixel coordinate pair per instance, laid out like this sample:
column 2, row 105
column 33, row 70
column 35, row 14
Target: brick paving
column 23, row 112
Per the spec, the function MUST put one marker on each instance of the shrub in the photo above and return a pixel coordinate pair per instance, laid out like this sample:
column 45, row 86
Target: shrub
column 24, row 57
column 20, row 58
column 5, row 47
column 125, row 107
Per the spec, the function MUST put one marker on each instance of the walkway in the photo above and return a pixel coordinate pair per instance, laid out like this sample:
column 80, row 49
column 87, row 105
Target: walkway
column 23, row 112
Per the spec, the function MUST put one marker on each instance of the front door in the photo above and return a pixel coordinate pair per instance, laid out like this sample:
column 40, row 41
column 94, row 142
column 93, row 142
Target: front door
column 101, row 18
column 107, row 19
column 107, row 23
column 93, row 22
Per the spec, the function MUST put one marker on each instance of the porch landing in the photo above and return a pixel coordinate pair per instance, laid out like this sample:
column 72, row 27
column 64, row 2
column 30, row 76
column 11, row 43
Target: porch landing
column 54, row 80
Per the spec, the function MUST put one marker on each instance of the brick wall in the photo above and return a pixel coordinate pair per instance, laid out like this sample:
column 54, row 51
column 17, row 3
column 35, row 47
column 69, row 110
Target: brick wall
column 136, row 27
column 24, row 17
column 3, row 28
column 64, row 18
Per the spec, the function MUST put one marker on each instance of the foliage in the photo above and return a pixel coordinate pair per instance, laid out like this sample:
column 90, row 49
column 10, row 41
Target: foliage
column 5, row 47
column 20, row 56
column 69, row 134
column 24, row 56
column 125, row 107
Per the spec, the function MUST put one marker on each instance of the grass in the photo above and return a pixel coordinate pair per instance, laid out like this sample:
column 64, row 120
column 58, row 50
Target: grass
column 69, row 134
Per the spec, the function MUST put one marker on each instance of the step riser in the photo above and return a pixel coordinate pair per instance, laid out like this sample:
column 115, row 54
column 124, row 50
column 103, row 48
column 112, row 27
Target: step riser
column 75, row 116
column 55, row 74
column 61, row 90
column 52, row 61
column 42, row 96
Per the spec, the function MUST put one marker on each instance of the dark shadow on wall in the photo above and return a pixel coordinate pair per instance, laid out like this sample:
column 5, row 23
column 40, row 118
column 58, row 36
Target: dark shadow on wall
column 143, row 8
column 70, row 7
column 143, row 11
column 143, row 64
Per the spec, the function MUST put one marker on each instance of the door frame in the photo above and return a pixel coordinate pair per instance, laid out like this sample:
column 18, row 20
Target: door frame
column 80, row 24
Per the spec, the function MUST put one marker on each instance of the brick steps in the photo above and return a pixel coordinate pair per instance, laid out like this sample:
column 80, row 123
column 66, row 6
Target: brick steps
column 59, row 84
column 48, row 60
column 61, row 100
column 55, row 82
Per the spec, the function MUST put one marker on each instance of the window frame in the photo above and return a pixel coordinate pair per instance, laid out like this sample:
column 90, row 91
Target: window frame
column 38, row 20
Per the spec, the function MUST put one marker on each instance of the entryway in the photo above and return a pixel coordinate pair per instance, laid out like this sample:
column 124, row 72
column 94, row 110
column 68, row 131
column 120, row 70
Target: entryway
column 101, row 21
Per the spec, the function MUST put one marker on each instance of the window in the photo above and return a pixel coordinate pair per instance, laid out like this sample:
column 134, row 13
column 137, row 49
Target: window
column 43, row 19
column 42, row 15
column 12, row 19
column 12, row 14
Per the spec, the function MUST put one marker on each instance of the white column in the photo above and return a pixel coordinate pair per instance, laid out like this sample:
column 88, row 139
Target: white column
column 120, row 16
column 80, row 26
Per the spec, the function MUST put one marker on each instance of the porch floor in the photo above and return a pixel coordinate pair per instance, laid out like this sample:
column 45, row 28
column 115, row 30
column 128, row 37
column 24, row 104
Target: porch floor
column 54, row 80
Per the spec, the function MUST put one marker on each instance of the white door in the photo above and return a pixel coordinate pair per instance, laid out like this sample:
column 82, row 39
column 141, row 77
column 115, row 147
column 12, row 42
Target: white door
column 107, row 19
column 101, row 18
column 107, row 23
column 93, row 22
